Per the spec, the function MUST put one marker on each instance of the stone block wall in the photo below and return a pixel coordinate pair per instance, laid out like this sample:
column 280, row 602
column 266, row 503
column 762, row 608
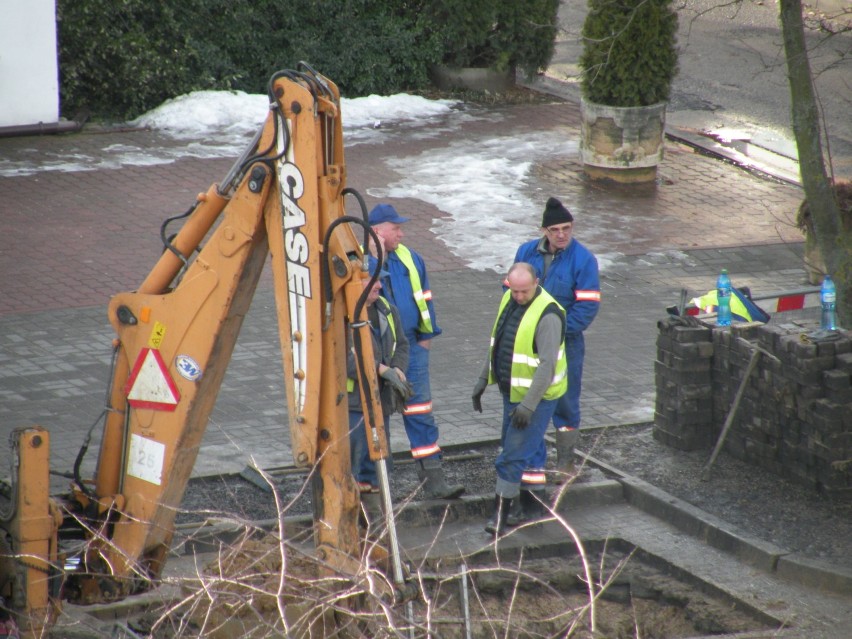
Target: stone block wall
column 794, row 417
column 683, row 373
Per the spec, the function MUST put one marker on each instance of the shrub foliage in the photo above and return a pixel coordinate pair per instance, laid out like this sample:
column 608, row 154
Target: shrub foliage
column 122, row 58
column 119, row 58
column 501, row 34
column 629, row 52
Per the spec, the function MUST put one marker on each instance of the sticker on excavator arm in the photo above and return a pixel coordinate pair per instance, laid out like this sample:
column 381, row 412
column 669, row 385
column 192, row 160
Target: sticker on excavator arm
column 150, row 385
column 145, row 459
column 157, row 335
column 188, row 368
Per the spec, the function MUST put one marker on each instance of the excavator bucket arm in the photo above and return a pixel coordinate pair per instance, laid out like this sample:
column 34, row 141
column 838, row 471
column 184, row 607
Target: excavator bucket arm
column 175, row 336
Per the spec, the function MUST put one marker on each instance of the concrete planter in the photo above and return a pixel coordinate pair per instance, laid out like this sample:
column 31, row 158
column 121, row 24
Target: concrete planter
column 624, row 144
column 472, row 78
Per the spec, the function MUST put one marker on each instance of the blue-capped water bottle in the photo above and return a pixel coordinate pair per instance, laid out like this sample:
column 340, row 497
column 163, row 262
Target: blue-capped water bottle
column 723, row 299
column 828, row 297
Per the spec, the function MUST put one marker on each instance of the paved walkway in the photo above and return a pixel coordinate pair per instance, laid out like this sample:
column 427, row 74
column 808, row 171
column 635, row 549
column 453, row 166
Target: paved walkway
column 72, row 240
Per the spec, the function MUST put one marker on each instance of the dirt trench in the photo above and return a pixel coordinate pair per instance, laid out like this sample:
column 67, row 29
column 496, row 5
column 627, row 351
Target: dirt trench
column 244, row 592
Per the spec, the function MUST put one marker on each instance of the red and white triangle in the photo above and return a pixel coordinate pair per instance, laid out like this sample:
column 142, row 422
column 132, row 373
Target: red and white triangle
column 150, row 385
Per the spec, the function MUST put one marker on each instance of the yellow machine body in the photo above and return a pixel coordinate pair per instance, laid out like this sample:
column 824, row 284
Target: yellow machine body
column 174, row 339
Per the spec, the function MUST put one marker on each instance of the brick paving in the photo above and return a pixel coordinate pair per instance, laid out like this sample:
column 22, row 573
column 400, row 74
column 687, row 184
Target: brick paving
column 73, row 239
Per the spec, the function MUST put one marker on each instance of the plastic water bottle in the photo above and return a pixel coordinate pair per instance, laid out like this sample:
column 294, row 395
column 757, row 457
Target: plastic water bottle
column 723, row 298
column 827, row 297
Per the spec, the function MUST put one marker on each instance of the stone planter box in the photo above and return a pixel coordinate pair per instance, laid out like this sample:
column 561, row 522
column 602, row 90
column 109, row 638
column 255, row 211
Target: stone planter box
column 624, row 144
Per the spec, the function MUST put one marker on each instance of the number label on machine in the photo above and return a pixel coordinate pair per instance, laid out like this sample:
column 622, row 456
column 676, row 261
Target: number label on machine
column 145, row 459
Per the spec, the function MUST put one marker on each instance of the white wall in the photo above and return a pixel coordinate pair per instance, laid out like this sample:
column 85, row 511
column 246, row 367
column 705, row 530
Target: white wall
column 29, row 75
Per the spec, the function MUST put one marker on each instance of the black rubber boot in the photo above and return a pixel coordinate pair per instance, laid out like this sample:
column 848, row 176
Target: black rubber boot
column 565, row 442
column 372, row 513
column 531, row 507
column 372, row 505
column 431, row 473
column 506, row 510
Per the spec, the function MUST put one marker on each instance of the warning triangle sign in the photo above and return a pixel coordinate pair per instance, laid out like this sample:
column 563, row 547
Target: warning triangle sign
column 150, row 385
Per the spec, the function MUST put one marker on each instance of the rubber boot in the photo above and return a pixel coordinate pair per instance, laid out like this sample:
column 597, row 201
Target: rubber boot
column 565, row 442
column 371, row 510
column 531, row 507
column 431, row 474
column 505, row 509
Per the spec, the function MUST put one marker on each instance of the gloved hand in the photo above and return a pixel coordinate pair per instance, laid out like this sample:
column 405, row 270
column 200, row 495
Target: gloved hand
column 396, row 381
column 521, row 417
column 478, row 390
column 397, row 398
column 398, row 390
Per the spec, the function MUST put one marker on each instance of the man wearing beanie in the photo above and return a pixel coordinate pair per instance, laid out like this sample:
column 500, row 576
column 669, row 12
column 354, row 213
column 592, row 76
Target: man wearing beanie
column 407, row 288
column 569, row 272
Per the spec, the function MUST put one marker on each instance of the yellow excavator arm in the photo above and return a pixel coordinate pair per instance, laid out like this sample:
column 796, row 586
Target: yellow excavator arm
column 174, row 338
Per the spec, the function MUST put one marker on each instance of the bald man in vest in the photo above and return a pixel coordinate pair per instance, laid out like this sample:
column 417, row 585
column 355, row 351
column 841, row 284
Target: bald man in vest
column 527, row 362
column 407, row 288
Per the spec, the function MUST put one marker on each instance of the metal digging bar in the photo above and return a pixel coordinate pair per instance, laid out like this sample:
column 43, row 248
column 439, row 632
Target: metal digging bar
column 752, row 364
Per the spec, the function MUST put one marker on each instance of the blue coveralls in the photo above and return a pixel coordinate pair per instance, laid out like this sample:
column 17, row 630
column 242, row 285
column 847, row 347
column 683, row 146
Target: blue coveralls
column 420, row 426
column 572, row 279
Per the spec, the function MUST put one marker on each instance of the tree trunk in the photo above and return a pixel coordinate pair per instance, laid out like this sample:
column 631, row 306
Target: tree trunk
column 834, row 240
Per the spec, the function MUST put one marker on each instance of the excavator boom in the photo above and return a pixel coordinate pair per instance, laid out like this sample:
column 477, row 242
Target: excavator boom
column 174, row 339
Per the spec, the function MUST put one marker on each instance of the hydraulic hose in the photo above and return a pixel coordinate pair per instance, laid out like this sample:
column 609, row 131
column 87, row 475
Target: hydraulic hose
column 366, row 224
column 81, row 454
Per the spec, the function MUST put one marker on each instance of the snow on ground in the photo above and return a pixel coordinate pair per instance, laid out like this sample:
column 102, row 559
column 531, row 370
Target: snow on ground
column 481, row 184
column 234, row 116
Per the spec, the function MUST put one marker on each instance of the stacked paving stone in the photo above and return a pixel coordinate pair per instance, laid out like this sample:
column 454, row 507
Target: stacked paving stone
column 794, row 416
column 683, row 416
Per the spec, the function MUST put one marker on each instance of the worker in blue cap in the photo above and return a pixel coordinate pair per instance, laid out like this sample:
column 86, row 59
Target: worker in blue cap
column 407, row 288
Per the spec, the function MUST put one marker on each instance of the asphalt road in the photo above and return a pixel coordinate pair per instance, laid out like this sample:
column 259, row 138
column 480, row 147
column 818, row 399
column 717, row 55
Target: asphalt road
column 733, row 72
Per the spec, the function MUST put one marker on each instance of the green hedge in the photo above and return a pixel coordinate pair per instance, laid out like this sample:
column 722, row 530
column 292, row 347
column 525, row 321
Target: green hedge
column 120, row 58
column 502, row 34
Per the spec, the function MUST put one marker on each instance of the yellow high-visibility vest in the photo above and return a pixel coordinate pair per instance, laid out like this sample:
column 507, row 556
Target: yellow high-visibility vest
column 524, row 360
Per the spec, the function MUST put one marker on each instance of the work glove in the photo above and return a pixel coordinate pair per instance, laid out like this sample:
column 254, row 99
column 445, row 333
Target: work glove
column 399, row 391
column 478, row 390
column 521, row 417
column 393, row 378
column 397, row 398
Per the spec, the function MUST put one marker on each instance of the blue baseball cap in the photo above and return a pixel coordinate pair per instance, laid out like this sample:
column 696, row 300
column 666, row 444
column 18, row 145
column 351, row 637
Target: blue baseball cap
column 385, row 213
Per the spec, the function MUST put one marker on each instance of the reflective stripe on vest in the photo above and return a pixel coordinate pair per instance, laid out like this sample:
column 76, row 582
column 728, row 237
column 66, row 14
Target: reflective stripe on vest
column 420, row 296
column 524, row 360
column 391, row 324
column 350, row 382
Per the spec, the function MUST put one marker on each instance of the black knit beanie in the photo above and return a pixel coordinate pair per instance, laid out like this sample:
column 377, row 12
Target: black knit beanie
column 555, row 213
